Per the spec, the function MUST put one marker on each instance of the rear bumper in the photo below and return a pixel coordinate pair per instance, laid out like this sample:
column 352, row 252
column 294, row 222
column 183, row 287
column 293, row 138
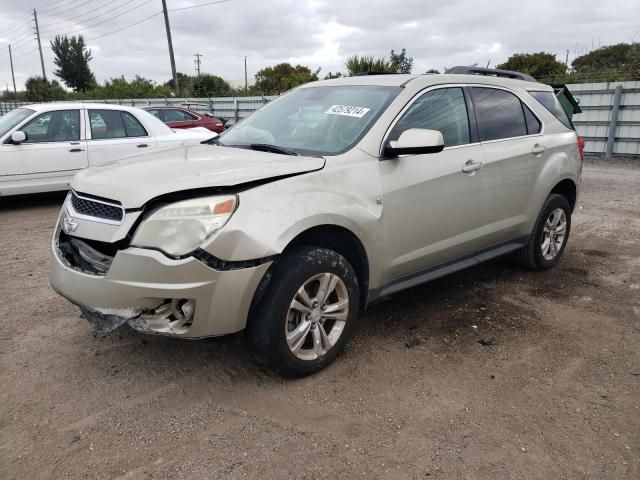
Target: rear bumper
column 141, row 280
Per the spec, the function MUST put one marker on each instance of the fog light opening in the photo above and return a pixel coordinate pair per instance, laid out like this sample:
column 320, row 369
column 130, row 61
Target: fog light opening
column 183, row 311
column 175, row 315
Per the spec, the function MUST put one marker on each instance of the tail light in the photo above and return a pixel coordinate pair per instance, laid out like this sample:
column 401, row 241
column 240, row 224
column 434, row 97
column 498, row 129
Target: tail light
column 581, row 147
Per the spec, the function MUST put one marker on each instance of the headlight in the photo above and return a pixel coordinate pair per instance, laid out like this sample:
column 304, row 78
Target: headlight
column 181, row 227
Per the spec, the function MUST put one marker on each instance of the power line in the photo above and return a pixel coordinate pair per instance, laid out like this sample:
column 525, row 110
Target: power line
column 104, row 21
column 50, row 7
column 152, row 16
column 197, row 6
column 47, row 4
column 72, row 19
column 57, row 14
column 22, row 22
column 124, row 28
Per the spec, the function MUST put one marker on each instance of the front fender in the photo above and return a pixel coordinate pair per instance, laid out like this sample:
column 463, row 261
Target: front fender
column 270, row 216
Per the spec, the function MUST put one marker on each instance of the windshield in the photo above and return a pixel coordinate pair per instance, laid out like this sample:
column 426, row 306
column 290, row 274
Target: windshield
column 314, row 120
column 13, row 118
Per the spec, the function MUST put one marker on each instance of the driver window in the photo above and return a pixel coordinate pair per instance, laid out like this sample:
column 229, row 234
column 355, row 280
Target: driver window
column 443, row 109
column 56, row 126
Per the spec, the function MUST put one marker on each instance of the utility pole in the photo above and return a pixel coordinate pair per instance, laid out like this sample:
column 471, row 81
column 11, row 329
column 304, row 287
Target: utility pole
column 246, row 87
column 197, row 62
column 35, row 19
column 173, row 61
column 566, row 61
column 13, row 77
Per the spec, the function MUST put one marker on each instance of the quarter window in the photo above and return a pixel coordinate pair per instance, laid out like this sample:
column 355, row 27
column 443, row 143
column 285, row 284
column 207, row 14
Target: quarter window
column 56, row 126
column 551, row 103
column 114, row 124
column 444, row 110
column 499, row 114
column 533, row 124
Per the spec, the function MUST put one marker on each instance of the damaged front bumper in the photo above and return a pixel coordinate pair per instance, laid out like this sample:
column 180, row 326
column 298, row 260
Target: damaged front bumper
column 155, row 294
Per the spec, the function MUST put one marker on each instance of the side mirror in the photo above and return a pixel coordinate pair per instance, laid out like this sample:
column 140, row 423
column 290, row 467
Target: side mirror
column 207, row 114
column 415, row 141
column 18, row 137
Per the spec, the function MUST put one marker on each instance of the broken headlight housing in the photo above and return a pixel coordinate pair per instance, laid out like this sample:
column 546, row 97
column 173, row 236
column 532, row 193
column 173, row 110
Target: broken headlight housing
column 179, row 228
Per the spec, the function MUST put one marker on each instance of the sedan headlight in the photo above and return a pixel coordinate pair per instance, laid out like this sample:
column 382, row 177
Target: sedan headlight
column 181, row 227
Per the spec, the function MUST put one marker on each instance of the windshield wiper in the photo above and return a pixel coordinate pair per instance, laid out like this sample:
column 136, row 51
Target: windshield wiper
column 211, row 141
column 266, row 147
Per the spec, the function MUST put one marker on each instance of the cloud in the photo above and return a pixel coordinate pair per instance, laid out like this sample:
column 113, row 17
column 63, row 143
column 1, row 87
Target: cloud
column 318, row 33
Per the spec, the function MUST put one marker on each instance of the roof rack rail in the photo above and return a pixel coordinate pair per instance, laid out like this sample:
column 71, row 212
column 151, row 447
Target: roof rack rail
column 491, row 72
column 373, row 72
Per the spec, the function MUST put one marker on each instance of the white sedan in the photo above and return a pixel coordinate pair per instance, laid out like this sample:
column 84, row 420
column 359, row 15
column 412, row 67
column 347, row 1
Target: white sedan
column 43, row 145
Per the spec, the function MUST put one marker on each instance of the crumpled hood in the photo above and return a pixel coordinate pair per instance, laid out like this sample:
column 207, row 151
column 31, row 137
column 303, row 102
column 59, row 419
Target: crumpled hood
column 136, row 180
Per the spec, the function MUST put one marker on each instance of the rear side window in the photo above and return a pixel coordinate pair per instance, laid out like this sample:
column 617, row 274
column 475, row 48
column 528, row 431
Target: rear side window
column 444, row 110
column 551, row 103
column 174, row 115
column 114, row 124
column 132, row 126
column 499, row 114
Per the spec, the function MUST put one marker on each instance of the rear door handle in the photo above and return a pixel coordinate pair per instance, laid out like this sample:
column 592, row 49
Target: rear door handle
column 538, row 149
column 74, row 150
column 143, row 145
column 471, row 166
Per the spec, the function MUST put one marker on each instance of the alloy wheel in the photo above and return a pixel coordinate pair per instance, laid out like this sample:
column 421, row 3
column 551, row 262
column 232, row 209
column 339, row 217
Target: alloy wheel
column 317, row 316
column 554, row 234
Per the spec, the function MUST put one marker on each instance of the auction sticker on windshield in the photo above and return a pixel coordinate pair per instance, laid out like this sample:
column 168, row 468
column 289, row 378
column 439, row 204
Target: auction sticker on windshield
column 348, row 110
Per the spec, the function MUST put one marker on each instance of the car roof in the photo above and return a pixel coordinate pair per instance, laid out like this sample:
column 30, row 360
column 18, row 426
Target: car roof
column 421, row 81
column 45, row 107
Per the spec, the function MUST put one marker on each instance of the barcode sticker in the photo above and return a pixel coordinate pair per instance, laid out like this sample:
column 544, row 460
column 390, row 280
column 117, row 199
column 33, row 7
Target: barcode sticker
column 348, row 111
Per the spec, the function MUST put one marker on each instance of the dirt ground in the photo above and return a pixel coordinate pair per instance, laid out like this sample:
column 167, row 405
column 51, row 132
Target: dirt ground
column 555, row 396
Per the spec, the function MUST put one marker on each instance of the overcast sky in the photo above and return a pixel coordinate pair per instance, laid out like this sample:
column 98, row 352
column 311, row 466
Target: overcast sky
column 317, row 33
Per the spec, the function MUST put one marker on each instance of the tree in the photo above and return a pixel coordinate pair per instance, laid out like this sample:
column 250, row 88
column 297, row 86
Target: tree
column 139, row 87
column 41, row 90
column 397, row 63
column 283, row 76
column 331, row 75
column 619, row 57
column 538, row 65
column 357, row 64
column 207, row 84
column 432, row 70
column 72, row 59
column 400, row 63
column 185, row 84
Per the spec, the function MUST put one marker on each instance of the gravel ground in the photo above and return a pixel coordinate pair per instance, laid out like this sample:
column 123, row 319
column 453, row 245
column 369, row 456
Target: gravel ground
column 555, row 395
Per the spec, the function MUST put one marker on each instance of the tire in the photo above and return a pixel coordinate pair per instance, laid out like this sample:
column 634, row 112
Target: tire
column 532, row 255
column 276, row 328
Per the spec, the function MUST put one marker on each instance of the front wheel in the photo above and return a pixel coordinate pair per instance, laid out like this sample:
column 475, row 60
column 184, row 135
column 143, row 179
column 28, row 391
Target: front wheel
column 307, row 312
column 549, row 236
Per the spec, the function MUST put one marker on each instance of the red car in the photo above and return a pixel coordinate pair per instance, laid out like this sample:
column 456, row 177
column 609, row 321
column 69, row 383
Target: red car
column 180, row 117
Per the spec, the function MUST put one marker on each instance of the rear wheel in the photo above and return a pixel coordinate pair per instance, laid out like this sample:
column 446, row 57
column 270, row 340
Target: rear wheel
column 549, row 237
column 307, row 312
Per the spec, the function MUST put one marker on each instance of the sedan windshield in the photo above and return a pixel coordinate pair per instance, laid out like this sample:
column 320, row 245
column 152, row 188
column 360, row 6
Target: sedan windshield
column 313, row 120
column 13, row 118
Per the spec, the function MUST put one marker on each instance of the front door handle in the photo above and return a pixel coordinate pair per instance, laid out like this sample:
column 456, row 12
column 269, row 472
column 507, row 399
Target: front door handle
column 143, row 145
column 471, row 166
column 538, row 149
column 75, row 150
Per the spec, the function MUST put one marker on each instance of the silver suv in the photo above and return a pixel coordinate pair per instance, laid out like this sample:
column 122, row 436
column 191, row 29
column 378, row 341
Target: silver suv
column 334, row 195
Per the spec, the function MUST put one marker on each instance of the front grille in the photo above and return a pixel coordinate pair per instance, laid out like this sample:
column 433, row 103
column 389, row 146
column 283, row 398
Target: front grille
column 96, row 208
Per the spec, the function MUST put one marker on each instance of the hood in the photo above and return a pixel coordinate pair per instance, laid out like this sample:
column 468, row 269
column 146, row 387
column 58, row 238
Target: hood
column 137, row 180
